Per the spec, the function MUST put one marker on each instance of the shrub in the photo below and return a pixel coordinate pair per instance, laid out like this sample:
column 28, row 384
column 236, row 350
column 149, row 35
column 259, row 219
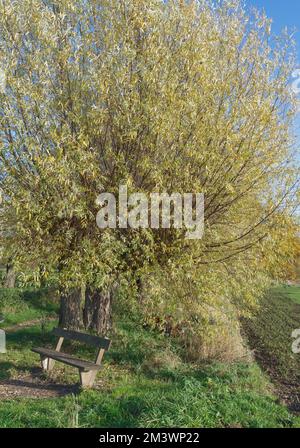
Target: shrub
column 223, row 343
column 11, row 300
column 165, row 361
column 2, row 276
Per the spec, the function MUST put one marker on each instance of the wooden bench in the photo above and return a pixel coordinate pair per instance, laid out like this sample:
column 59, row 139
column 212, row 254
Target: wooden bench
column 87, row 369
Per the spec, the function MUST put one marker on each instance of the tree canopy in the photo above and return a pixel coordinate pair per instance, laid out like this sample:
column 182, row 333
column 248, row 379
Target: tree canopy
column 160, row 96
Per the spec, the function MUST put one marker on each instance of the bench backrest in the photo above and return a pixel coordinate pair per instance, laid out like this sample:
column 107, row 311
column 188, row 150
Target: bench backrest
column 89, row 339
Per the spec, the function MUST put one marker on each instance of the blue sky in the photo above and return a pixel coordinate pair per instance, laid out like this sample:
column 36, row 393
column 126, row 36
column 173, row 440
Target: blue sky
column 284, row 13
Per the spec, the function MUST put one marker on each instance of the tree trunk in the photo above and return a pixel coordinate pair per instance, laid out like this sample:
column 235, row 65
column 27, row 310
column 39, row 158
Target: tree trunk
column 97, row 315
column 70, row 313
column 10, row 279
column 141, row 291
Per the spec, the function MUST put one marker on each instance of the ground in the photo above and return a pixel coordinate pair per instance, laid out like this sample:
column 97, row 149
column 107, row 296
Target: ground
column 145, row 381
column 270, row 336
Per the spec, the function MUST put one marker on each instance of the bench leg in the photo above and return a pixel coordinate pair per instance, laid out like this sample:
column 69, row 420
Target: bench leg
column 87, row 378
column 47, row 363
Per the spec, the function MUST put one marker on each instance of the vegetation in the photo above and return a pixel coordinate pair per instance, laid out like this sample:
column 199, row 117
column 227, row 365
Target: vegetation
column 292, row 292
column 145, row 382
column 270, row 335
column 81, row 115
column 22, row 305
column 158, row 96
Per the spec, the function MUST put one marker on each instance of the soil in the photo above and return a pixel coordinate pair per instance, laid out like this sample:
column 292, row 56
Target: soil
column 34, row 386
column 288, row 391
column 28, row 323
column 269, row 338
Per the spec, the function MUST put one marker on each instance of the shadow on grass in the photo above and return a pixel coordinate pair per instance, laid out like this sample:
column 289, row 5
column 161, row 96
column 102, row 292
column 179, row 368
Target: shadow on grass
column 132, row 344
column 18, row 355
column 124, row 413
column 26, row 338
column 43, row 299
column 5, row 368
column 123, row 408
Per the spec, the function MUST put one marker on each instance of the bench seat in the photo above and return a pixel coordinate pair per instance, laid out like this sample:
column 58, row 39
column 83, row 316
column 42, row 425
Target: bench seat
column 66, row 358
column 87, row 369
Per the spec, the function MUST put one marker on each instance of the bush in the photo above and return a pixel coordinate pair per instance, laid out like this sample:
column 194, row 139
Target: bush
column 222, row 343
column 11, row 300
column 212, row 335
column 2, row 276
column 162, row 361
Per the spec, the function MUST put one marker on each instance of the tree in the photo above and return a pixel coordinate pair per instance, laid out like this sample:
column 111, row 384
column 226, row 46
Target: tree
column 161, row 96
column 10, row 278
column 10, row 275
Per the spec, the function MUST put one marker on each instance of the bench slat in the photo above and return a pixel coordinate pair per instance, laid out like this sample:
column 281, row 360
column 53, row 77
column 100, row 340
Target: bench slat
column 67, row 359
column 82, row 337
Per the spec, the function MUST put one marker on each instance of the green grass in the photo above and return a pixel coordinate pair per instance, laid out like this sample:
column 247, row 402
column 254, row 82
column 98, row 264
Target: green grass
column 211, row 397
column 292, row 292
column 23, row 305
column 144, row 383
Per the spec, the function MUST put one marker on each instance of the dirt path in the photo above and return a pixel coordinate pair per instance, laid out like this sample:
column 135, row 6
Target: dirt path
column 26, row 324
column 34, row 386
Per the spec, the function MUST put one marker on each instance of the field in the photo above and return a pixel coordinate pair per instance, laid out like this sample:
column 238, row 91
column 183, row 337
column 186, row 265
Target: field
column 270, row 336
column 144, row 381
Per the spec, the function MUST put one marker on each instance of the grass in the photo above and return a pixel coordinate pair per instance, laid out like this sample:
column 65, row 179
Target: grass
column 144, row 383
column 23, row 305
column 292, row 292
column 213, row 397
